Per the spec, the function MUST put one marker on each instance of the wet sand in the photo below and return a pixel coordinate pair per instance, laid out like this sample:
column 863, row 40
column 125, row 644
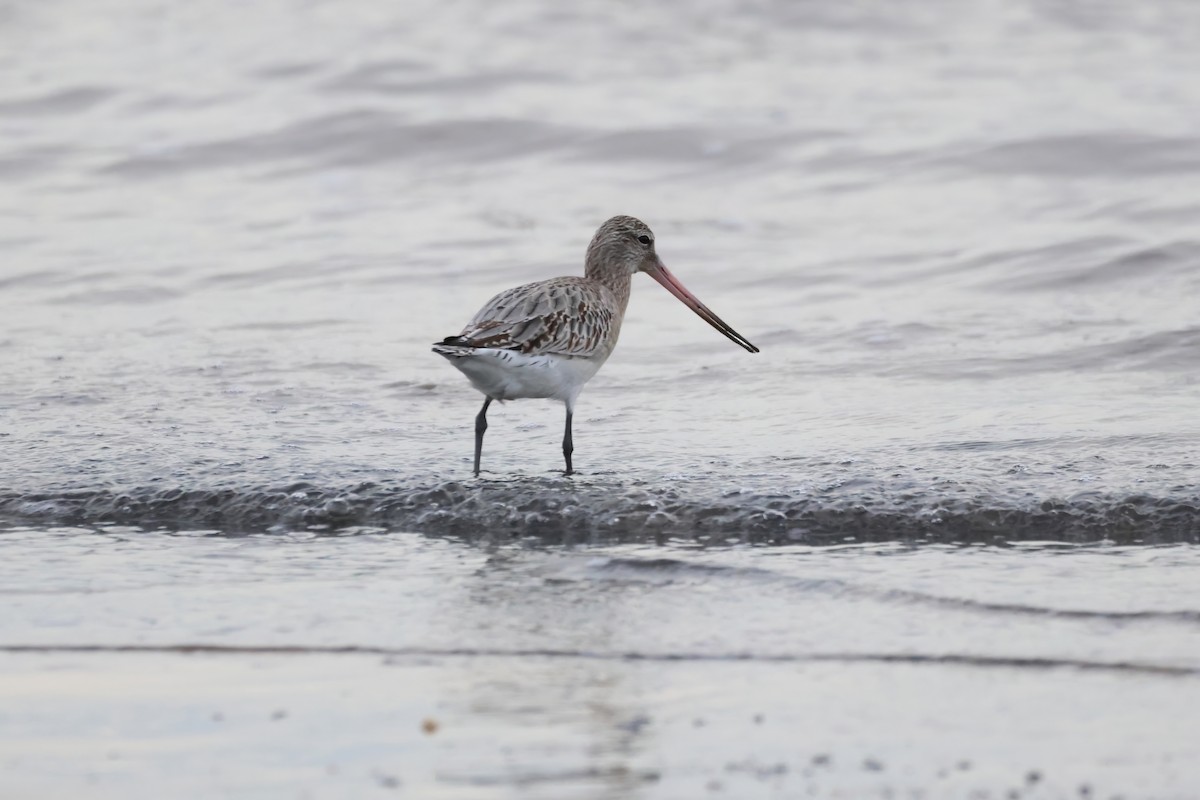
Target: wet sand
column 146, row 725
column 316, row 665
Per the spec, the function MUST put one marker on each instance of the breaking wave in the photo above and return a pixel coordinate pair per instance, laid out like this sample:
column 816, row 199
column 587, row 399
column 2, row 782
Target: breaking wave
column 558, row 510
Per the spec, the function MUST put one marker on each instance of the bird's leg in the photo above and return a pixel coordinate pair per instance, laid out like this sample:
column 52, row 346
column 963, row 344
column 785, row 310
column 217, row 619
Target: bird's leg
column 480, row 427
column 568, row 445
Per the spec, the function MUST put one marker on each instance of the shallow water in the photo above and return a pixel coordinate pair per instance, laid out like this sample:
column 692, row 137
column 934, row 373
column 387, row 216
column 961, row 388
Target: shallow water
column 950, row 510
column 963, row 238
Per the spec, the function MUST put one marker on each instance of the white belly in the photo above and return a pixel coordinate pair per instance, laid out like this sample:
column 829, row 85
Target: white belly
column 509, row 375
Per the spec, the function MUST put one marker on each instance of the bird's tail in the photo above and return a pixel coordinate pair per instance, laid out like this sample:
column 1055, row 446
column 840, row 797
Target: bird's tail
column 454, row 347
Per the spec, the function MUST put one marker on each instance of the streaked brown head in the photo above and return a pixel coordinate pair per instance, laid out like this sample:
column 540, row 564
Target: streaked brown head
column 623, row 244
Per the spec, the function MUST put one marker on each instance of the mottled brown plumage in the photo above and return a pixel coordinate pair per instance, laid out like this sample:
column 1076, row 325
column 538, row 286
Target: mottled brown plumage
column 561, row 316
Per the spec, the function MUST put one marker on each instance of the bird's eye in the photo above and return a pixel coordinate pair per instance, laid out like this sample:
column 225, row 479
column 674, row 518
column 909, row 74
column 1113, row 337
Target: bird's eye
column 644, row 239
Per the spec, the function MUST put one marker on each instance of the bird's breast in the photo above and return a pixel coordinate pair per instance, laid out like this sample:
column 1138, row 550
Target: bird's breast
column 512, row 375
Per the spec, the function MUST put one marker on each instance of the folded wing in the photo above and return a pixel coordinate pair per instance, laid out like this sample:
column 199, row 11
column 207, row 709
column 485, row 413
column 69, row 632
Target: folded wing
column 563, row 316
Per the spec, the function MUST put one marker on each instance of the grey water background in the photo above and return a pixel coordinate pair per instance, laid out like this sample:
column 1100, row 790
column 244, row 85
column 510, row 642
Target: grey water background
column 938, row 538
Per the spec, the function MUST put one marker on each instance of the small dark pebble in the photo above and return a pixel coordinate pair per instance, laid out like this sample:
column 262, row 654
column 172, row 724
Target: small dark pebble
column 871, row 765
column 387, row 781
column 758, row 719
column 1085, row 790
column 821, row 760
column 1032, row 777
column 964, row 765
column 278, row 715
column 636, row 724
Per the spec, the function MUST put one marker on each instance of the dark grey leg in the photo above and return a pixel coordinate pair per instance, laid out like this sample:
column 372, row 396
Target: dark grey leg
column 568, row 445
column 480, row 427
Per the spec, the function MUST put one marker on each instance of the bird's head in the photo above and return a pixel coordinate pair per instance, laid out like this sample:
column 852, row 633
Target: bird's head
column 624, row 246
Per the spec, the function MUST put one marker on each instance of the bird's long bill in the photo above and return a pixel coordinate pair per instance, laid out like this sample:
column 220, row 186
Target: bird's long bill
column 661, row 274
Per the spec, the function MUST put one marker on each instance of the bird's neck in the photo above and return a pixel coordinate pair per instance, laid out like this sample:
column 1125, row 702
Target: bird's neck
column 616, row 281
column 606, row 265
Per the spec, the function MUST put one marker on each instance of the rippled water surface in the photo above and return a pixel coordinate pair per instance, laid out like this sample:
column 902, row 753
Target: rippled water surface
column 964, row 239
column 947, row 517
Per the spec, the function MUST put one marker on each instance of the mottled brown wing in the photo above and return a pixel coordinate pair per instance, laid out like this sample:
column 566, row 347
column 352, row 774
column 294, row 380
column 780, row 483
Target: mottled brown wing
column 563, row 316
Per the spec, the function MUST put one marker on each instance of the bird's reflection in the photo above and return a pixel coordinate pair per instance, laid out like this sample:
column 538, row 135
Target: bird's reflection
column 569, row 722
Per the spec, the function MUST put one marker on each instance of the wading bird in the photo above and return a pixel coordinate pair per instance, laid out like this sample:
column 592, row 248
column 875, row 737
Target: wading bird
column 547, row 339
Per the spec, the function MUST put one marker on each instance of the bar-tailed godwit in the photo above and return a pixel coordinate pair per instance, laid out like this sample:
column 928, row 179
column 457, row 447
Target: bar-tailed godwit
column 547, row 339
